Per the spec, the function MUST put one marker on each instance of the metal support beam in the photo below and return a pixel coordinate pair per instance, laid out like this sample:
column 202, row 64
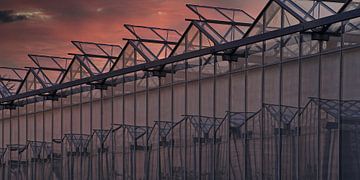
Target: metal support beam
column 210, row 50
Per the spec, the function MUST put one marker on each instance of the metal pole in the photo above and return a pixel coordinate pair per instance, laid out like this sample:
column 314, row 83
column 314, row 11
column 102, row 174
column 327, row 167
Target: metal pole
column 228, row 157
column 262, row 99
column 52, row 169
column 172, row 123
column 341, row 76
column 91, row 129
column 299, row 106
column 111, row 175
column 135, row 123
column 214, row 116
column 148, row 156
column 123, row 122
column 186, row 112
column 246, row 155
column 158, row 135
column 199, row 106
column 61, row 135
column 318, row 131
column 81, row 118
column 100, row 150
column 43, row 139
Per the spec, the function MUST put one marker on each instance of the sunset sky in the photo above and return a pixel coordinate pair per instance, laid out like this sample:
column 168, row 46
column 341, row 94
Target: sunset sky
column 47, row 27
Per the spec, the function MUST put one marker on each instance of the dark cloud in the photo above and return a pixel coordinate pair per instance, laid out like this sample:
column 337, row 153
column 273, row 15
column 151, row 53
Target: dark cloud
column 8, row 16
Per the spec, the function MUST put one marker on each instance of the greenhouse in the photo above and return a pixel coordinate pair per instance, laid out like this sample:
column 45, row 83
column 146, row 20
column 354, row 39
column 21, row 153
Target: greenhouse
column 232, row 96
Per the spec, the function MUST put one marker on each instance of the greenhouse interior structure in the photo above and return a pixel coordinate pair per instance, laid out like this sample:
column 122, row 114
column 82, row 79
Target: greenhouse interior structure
column 236, row 97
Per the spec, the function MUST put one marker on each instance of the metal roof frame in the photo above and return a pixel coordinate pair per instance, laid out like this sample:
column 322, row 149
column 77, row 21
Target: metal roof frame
column 52, row 65
column 222, row 19
column 344, row 16
column 6, row 82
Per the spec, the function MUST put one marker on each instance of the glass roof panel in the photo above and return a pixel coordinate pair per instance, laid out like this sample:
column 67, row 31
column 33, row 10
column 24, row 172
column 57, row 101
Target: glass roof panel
column 51, row 67
column 191, row 41
column 310, row 10
column 232, row 26
column 219, row 13
column 90, row 48
column 31, row 82
column 76, row 71
column 270, row 19
column 153, row 33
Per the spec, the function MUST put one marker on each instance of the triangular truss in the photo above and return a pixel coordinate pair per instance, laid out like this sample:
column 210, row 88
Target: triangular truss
column 98, row 57
column 194, row 38
column 311, row 10
column 102, row 134
column 270, row 18
column 11, row 80
column 164, row 128
column 238, row 119
column 204, row 124
column 155, row 43
column 78, row 141
column 284, row 114
column 222, row 24
column 150, row 44
column 39, row 148
column 51, row 68
column 347, row 110
column 136, row 132
column 79, row 69
column 34, row 80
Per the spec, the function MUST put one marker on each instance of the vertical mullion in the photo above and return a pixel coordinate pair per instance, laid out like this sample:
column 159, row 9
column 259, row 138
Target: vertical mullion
column 199, row 105
column 3, row 160
column 319, row 110
column 262, row 102
column 340, row 100
column 35, row 139
column 110, row 131
column 172, row 122
column 158, row 135
column 123, row 122
column 299, row 106
column 43, row 137
column 61, row 135
column 51, row 139
column 228, row 158
column 135, row 123
column 10, row 156
column 263, row 96
column 81, row 117
column 280, row 100
column 2, row 127
column 186, row 110
column 100, row 150
column 18, row 133
column 91, row 128
column 147, row 123
column 214, row 116
column 246, row 158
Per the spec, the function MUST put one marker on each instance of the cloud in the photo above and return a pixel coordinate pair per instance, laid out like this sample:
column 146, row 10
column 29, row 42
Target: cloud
column 99, row 9
column 9, row 16
column 35, row 14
